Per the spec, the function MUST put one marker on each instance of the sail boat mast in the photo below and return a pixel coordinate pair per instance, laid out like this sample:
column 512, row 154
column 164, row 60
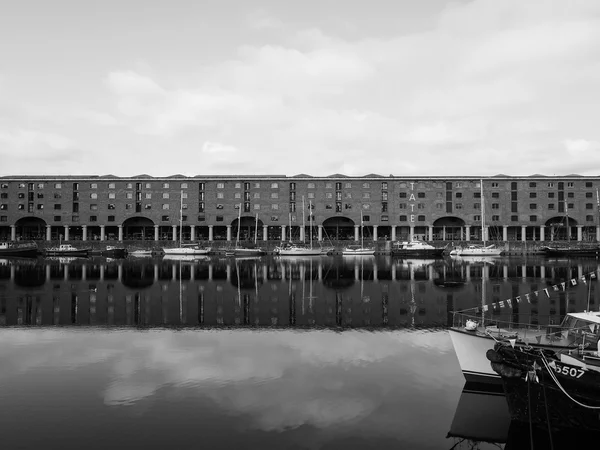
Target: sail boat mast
column 482, row 213
column 310, row 229
column 256, row 230
column 303, row 224
column 181, row 220
column 237, row 240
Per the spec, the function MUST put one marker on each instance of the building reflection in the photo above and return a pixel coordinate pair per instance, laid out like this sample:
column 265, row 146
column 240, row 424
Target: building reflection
column 284, row 292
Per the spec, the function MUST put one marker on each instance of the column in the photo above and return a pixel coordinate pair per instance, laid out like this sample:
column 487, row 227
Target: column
column 66, row 232
column 48, row 273
column 523, row 233
column 374, row 232
column 102, row 232
column 120, row 233
column 228, row 232
column 393, row 233
column 579, row 233
column 505, row 233
column 102, row 273
column 598, row 233
column 542, row 233
column 484, row 234
column 13, row 233
column 211, row 236
column 412, row 233
column 356, row 236
column 83, row 272
column 210, row 272
column 193, row 233
column 48, row 232
column 320, row 231
column 155, row 273
column 430, row 232
column 302, row 230
column 84, row 235
column 282, row 233
column 443, row 232
column 265, row 233
column 174, row 227
column 467, row 233
column 120, row 272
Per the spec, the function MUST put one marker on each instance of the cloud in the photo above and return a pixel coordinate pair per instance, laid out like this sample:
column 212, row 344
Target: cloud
column 579, row 146
column 216, row 147
column 262, row 20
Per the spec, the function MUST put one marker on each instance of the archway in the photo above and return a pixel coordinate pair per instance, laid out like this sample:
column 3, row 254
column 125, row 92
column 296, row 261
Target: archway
column 138, row 228
column 449, row 228
column 248, row 229
column 339, row 228
column 31, row 228
column 560, row 228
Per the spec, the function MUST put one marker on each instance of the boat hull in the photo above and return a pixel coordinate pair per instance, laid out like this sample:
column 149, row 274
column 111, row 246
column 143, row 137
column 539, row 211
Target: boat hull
column 470, row 351
column 30, row 252
column 114, row 253
column 50, row 252
column 186, row 251
column 555, row 251
column 424, row 253
column 245, row 252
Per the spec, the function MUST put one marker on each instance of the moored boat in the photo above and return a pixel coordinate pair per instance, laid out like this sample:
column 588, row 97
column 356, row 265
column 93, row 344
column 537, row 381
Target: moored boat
column 572, row 250
column 416, row 248
column 66, row 250
column 187, row 249
column 471, row 339
column 298, row 250
column 112, row 251
column 29, row 250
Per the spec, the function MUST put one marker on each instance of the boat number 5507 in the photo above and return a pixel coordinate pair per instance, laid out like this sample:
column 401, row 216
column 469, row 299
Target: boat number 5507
column 570, row 371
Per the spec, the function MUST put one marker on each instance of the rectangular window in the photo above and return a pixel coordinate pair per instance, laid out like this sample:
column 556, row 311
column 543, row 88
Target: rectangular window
column 111, row 218
column 57, row 218
column 421, row 195
column 348, row 206
column 494, row 185
column 495, row 205
column 532, row 194
column 514, row 218
column 165, row 185
column 384, row 186
column 495, row 218
column 570, row 184
column 201, row 186
column 310, row 195
column 111, row 206
column 93, row 218
column 550, row 205
column 164, row 218
column 274, row 195
column 237, row 195
column 111, row 185
column 129, row 185
column 93, row 207
column 292, row 186
column 256, row 185
column 148, row 195
column 184, row 185
column 220, row 195
column 550, row 194
column 57, row 185
column 348, row 185
column 220, row 185
column 165, row 206
column 328, row 194
column 40, row 195
column 402, row 218
column 310, row 185
column 402, row 195
column 366, row 195
column 589, row 218
column 274, row 206
column 477, row 218
column 533, row 206
column 111, row 195
column 458, row 206
column 571, row 194
column 533, row 218
column 147, row 206
column 40, row 206
column 237, row 185
column 366, row 185
column 338, row 186
column 57, row 206
column 589, row 206
column 219, row 218
column 40, row 186
column 366, row 218
column 201, row 207
column 165, row 195
column 3, row 218
column 421, row 218
column 384, row 196
column 274, row 186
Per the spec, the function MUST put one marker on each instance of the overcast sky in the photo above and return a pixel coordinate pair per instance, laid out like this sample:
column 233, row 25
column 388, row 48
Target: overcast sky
column 428, row 87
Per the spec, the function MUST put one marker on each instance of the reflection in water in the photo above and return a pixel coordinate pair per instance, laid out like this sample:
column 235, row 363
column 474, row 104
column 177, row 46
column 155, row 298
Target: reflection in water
column 286, row 292
column 309, row 353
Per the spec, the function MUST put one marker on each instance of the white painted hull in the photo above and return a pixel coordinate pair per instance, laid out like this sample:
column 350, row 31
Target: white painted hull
column 358, row 252
column 471, row 353
column 186, row 251
column 300, row 252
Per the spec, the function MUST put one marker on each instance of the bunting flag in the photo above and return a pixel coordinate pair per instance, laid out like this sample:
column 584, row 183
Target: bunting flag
column 563, row 285
column 508, row 302
column 555, row 287
column 546, row 291
column 592, row 275
column 574, row 282
column 583, row 280
column 501, row 303
column 512, row 342
column 593, row 327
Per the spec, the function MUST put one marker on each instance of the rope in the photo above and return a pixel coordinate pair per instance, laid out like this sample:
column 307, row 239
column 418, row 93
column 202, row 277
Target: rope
column 551, row 372
column 547, row 413
column 529, row 410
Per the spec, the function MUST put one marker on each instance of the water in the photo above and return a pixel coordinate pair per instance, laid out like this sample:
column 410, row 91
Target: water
column 318, row 353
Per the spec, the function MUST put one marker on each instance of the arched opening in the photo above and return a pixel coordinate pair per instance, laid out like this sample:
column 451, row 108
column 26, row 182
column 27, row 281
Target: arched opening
column 449, row 229
column 560, row 228
column 249, row 229
column 338, row 229
column 138, row 228
column 31, row 229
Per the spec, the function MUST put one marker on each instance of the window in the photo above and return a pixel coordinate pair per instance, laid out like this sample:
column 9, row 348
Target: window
column 111, row 195
column 366, row 185
column 348, row 185
column 220, row 206
column 338, row 186
column 310, row 185
column 384, row 186
column 93, row 218
column 293, row 186
column 201, row 207
column 165, row 195
column 348, row 206
column 40, row 186
column 184, row 185
column 111, row 206
column 589, row 218
column 237, row 195
column 384, row 196
column 514, row 218
column 495, row 218
column 94, row 207
column 219, row 219
column 570, row 184
column 532, row 194
column 111, row 218
column 165, row 185
column 310, row 195
column 148, row 186
column 93, row 195
column 237, row 185
column 40, row 195
column 220, row 185
column 3, row 218
column 40, row 206
column 274, row 195
column 274, row 206
column 148, row 195
column 402, row 218
column 347, row 195
column 458, row 206
column 570, row 205
column 366, row 195
column 588, row 184
column 4, row 195
column 164, row 218
column 366, row 218
column 274, row 185
column 402, row 206
column 588, row 195
column 366, row 206
column 477, row 205
column 459, row 195
column 184, row 206
column 111, row 185
column 329, row 206
column 4, row 186
column 550, row 194
column 165, row 206
column 477, row 218
column 57, row 218
column 220, row 195
column 256, row 185
column 93, row 185
column 532, row 184
column 21, row 195
column 495, row 205
column 57, row 206
column 533, row 218
column 274, row 218
column 533, row 206
column 550, row 184
column 148, row 206
column 494, row 184
column 384, row 218
column 421, row 195
column 402, row 194
column 589, row 206
column 384, row 206
column 550, row 205
column 421, row 218
column 57, row 185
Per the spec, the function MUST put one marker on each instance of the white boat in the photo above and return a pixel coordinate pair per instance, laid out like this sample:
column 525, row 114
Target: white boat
column 479, row 250
column 416, row 248
column 66, row 250
column 174, row 257
column 140, row 253
column 472, row 339
column 359, row 250
column 302, row 250
column 185, row 249
column 238, row 250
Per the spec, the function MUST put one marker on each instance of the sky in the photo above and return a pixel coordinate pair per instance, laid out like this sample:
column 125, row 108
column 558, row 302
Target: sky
column 262, row 87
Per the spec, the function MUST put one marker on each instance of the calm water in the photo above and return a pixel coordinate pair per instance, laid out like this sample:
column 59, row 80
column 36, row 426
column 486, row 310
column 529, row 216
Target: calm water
column 318, row 353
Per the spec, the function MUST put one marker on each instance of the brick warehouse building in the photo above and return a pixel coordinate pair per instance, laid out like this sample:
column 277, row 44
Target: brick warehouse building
column 533, row 208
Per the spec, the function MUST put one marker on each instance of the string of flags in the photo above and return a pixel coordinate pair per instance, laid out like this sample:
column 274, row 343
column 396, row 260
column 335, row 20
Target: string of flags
column 509, row 303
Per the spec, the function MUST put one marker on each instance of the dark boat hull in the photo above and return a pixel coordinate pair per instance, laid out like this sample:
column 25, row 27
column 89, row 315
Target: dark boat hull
column 559, row 251
column 67, row 253
column 114, row 253
column 23, row 252
column 425, row 253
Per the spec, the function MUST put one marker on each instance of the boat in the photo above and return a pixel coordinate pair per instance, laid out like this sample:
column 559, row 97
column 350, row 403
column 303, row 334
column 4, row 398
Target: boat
column 472, row 338
column 570, row 250
column 246, row 250
column 474, row 249
column 112, row 251
column 416, row 248
column 301, row 249
column 145, row 253
column 359, row 250
column 66, row 250
column 185, row 257
column 185, row 249
column 550, row 389
column 29, row 249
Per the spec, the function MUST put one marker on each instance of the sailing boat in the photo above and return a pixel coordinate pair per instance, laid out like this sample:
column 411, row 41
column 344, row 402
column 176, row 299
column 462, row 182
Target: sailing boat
column 240, row 250
column 479, row 250
column 302, row 250
column 359, row 250
column 185, row 249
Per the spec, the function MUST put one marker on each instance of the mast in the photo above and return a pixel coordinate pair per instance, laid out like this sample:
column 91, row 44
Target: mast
column 237, row 240
column 362, row 245
column 568, row 227
column 181, row 220
column 290, row 222
column 482, row 213
column 303, row 223
column 310, row 221
column 256, row 230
